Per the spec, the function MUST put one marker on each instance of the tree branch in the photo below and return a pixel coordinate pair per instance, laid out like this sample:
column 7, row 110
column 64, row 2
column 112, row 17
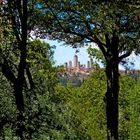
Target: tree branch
column 100, row 45
column 30, row 78
column 7, row 72
column 107, row 39
column 124, row 55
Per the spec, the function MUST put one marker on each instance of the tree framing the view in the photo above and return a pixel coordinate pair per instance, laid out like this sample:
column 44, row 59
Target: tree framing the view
column 112, row 25
column 16, row 15
column 27, row 72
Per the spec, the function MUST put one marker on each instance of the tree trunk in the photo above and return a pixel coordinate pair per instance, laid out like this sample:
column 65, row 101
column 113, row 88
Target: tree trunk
column 112, row 74
column 19, row 84
column 18, row 87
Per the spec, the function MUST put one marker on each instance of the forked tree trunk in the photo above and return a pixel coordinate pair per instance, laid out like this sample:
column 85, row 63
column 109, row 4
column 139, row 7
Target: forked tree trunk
column 19, row 83
column 112, row 74
column 18, row 90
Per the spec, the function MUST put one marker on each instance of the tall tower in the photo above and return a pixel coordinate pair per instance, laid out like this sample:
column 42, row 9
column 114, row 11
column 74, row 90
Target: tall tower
column 75, row 61
column 88, row 64
column 91, row 62
column 70, row 64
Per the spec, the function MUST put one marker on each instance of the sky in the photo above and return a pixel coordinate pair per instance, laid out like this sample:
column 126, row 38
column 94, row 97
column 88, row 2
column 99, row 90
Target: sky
column 66, row 53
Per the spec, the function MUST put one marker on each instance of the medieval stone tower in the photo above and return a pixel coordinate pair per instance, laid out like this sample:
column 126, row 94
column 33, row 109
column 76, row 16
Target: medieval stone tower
column 75, row 61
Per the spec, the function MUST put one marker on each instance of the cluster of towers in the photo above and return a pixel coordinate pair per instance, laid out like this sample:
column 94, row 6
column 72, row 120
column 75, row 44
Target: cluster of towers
column 76, row 68
column 76, row 64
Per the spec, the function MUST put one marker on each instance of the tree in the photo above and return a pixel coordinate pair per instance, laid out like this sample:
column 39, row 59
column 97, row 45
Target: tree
column 18, row 17
column 17, row 14
column 44, row 109
column 27, row 67
column 89, row 107
column 112, row 25
column 134, row 111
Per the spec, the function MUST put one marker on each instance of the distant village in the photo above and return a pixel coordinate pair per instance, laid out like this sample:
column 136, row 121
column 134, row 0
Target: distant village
column 77, row 68
column 76, row 72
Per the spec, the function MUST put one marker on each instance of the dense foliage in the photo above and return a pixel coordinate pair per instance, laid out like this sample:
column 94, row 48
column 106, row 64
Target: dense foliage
column 112, row 25
column 36, row 103
column 56, row 111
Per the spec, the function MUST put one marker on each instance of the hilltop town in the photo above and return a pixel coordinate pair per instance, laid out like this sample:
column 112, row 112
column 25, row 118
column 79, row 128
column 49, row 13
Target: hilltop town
column 77, row 68
column 75, row 72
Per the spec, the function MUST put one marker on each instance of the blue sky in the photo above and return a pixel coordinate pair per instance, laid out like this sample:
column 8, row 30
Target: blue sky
column 66, row 53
